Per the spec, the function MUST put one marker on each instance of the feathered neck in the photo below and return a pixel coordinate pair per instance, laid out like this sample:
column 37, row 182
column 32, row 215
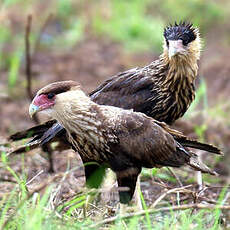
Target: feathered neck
column 79, row 116
column 72, row 108
column 181, row 68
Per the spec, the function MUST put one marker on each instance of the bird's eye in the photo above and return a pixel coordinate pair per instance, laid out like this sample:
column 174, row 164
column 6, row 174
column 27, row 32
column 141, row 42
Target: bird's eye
column 50, row 95
column 185, row 42
column 185, row 39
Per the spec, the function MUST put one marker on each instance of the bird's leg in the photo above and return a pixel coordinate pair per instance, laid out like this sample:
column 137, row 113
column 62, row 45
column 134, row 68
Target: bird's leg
column 107, row 186
column 176, row 177
column 137, row 196
column 122, row 209
column 199, row 174
column 126, row 178
column 199, row 180
column 94, row 174
column 47, row 148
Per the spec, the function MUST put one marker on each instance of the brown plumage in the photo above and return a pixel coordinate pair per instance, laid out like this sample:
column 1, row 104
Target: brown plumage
column 162, row 90
column 120, row 139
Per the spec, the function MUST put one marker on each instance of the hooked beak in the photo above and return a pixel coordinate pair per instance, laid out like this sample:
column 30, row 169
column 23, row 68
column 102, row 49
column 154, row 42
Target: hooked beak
column 175, row 47
column 33, row 109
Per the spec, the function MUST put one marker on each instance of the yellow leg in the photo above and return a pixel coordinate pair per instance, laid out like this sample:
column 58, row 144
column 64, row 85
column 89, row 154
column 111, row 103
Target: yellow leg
column 137, row 196
column 123, row 209
column 107, row 185
column 106, row 195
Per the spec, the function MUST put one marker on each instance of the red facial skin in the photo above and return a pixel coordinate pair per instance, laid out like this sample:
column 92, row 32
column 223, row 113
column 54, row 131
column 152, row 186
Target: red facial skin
column 43, row 102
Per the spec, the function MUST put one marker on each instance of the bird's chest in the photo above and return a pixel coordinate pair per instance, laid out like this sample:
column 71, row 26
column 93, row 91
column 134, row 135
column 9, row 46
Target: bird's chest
column 90, row 147
column 173, row 103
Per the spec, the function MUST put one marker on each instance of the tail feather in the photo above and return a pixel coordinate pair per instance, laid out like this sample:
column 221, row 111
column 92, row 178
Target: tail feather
column 196, row 164
column 198, row 145
column 55, row 131
column 186, row 142
column 25, row 148
column 37, row 130
column 60, row 140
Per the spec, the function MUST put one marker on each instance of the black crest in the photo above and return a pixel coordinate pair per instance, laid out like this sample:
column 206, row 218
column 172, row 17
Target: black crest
column 183, row 31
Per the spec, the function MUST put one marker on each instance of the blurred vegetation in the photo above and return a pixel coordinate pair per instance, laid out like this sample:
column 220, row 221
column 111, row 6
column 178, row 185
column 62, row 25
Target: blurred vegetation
column 137, row 24
column 200, row 12
column 130, row 24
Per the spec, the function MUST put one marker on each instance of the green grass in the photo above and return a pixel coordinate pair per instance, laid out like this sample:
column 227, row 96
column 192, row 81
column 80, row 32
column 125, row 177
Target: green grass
column 178, row 10
column 20, row 209
column 36, row 214
column 14, row 67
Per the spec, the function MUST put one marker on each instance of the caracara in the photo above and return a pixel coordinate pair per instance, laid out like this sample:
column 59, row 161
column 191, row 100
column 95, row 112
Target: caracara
column 163, row 89
column 122, row 140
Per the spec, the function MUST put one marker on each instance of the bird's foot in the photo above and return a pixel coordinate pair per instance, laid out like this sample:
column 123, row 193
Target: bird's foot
column 124, row 209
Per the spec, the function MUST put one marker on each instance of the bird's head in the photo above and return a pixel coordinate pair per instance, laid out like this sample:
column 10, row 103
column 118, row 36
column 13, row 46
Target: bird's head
column 181, row 40
column 47, row 97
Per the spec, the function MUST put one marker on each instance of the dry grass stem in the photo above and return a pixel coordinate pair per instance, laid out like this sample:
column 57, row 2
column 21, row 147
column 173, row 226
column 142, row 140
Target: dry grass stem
column 164, row 209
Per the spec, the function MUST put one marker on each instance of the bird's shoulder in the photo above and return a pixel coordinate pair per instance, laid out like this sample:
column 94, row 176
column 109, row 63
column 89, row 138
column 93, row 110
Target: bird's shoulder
column 141, row 140
column 127, row 122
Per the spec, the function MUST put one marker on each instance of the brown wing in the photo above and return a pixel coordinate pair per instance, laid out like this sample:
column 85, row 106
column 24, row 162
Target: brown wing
column 144, row 143
column 133, row 89
column 42, row 134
